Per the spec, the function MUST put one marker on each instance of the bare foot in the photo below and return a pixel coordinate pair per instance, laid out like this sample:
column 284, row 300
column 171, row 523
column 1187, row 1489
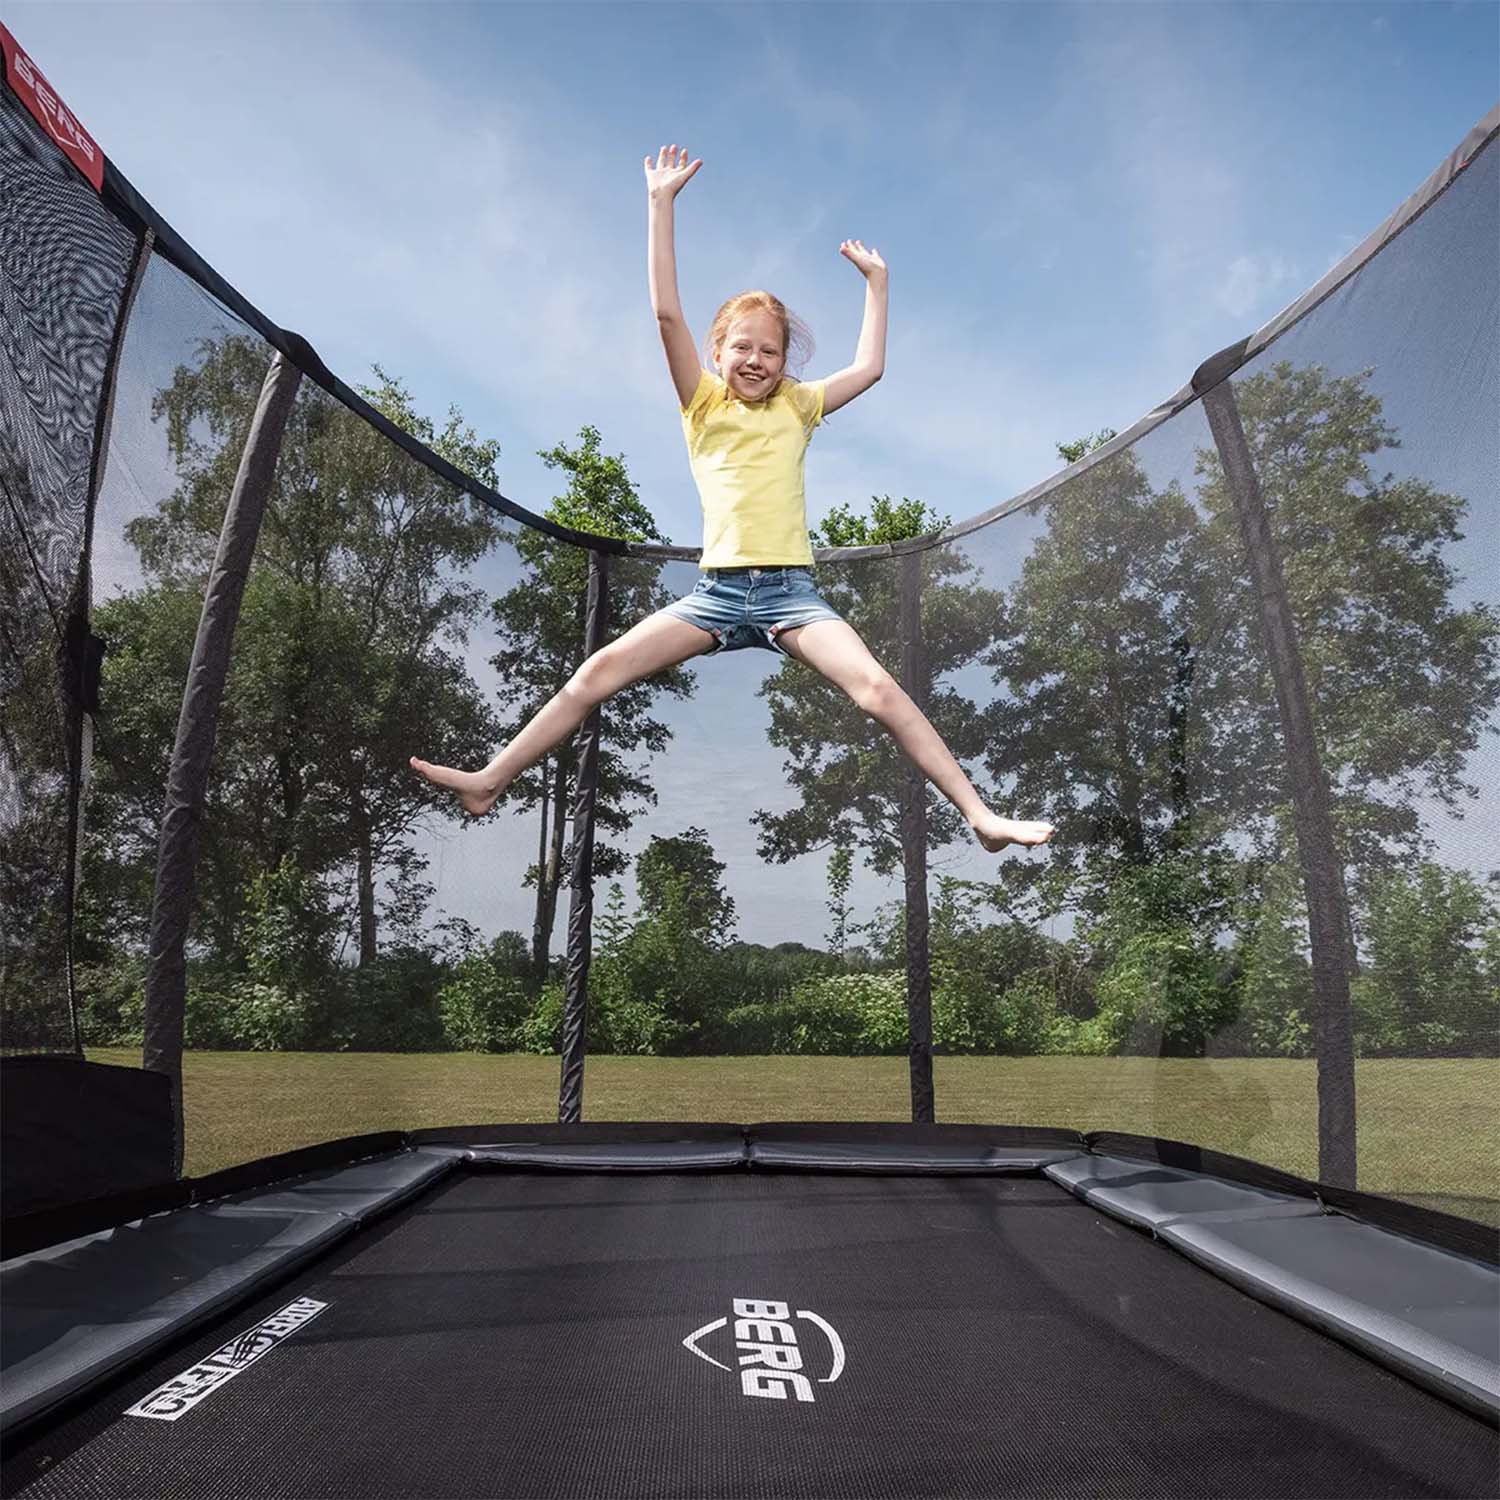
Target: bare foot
column 996, row 832
column 477, row 794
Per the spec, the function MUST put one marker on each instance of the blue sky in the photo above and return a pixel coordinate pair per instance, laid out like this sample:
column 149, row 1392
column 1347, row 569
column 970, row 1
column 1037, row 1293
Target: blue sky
column 1078, row 202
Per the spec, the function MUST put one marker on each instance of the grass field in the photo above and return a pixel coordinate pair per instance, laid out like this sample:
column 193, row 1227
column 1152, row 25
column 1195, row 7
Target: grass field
column 1429, row 1129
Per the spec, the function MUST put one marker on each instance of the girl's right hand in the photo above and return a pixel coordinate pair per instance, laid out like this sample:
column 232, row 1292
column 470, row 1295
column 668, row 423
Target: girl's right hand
column 667, row 175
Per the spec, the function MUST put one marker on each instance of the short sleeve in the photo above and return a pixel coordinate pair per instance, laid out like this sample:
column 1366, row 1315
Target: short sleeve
column 807, row 399
column 706, row 383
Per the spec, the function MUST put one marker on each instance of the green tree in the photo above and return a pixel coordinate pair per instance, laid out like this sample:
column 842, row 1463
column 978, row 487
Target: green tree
column 1163, row 985
column 679, row 878
column 658, row 984
column 1093, row 644
column 1141, row 717
column 1269, row 962
column 541, row 627
column 347, row 655
column 1430, row 986
column 1402, row 678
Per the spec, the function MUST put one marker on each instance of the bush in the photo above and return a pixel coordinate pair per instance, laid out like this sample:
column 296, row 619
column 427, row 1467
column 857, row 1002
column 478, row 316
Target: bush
column 482, row 1010
column 112, row 1002
column 840, row 1015
column 1273, row 981
column 211, row 1021
column 625, row 1017
column 541, row 1031
column 288, row 929
column 1029, row 1021
column 252, row 1016
column 1163, row 993
column 389, row 1004
column 634, row 1027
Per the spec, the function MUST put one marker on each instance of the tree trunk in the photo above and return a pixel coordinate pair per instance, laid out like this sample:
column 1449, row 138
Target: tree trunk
column 541, row 929
column 1129, row 826
column 549, row 876
column 366, row 866
column 1177, row 728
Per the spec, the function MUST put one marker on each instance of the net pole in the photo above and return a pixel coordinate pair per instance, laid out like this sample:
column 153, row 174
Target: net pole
column 581, row 868
column 197, row 723
column 914, row 854
column 1312, row 815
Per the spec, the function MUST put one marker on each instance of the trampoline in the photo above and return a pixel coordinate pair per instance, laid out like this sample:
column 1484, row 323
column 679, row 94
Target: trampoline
column 922, row 1312
column 1303, row 1302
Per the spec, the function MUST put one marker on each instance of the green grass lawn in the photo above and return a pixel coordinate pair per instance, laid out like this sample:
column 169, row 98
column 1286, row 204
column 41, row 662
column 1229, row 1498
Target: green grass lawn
column 1429, row 1129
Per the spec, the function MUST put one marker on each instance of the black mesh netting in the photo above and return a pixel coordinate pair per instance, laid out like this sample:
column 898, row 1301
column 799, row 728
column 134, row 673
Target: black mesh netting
column 64, row 268
column 1095, row 656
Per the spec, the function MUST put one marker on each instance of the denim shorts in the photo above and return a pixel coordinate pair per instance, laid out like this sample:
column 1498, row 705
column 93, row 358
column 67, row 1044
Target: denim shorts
column 751, row 606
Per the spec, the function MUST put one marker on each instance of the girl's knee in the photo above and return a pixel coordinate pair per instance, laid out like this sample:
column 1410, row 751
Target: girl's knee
column 591, row 679
column 878, row 694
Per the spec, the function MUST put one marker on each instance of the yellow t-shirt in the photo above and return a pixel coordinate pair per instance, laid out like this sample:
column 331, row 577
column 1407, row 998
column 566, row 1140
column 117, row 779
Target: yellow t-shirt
column 747, row 460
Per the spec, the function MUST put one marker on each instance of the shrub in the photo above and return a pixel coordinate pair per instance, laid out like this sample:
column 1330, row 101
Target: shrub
column 1029, row 1021
column 388, row 1004
column 541, row 1031
column 252, row 1016
column 112, row 1002
column 844, row 1015
column 482, row 1010
column 1162, row 993
column 211, row 1021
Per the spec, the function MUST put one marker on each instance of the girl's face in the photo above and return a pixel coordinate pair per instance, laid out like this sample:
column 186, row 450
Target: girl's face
column 751, row 357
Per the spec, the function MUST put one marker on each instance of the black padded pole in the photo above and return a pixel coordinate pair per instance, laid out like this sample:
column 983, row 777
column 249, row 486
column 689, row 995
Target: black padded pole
column 1312, row 816
column 581, row 885
column 914, row 853
column 197, row 722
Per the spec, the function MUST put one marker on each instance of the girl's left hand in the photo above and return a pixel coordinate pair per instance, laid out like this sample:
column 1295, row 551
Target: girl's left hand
column 868, row 261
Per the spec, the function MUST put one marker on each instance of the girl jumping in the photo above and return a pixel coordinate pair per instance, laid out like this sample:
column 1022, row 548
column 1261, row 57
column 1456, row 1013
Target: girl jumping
column 747, row 427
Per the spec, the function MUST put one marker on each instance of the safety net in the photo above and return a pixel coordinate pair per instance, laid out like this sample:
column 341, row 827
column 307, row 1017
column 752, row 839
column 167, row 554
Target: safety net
column 1245, row 655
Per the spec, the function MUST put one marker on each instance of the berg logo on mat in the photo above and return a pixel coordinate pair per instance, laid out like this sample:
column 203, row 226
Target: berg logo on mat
column 183, row 1392
column 770, row 1360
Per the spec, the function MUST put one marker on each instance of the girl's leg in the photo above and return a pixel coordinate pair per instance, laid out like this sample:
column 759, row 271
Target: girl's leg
column 835, row 649
column 654, row 644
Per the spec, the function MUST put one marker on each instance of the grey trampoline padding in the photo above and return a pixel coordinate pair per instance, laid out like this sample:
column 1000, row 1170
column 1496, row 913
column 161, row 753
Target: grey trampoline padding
column 895, row 1156
column 623, row 1156
column 1430, row 1314
column 1153, row 1196
column 77, row 1311
column 74, row 1312
column 355, row 1191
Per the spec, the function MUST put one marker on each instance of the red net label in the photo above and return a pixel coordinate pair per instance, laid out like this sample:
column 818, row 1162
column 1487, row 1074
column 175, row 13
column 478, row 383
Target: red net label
column 33, row 90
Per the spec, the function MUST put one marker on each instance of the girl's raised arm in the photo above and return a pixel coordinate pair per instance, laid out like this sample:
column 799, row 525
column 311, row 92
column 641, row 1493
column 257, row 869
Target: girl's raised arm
column 869, row 358
column 665, row 178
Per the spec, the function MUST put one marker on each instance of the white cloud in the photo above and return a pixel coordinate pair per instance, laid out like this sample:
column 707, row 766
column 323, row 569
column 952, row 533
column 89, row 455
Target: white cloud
column 1252, row 284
